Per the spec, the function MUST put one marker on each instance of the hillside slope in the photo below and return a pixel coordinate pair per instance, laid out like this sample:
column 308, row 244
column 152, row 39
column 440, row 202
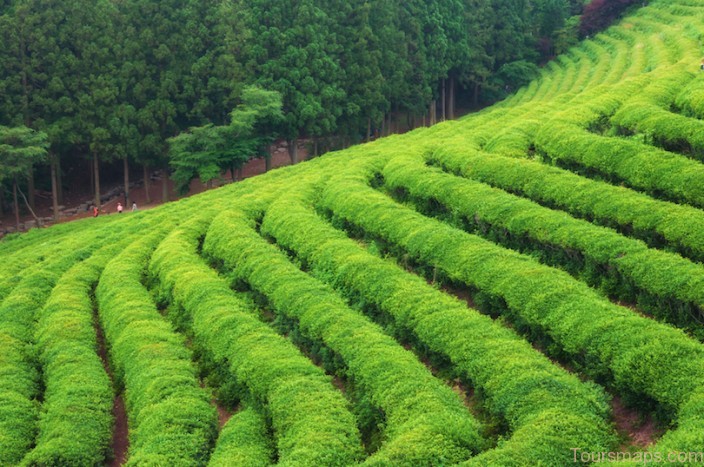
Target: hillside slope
column 484, row 291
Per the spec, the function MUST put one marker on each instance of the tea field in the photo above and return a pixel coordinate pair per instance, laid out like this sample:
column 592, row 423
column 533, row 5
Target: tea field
column 478, row 292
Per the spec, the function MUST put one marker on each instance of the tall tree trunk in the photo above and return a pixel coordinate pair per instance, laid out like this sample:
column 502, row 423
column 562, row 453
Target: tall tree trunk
column 146, row 184
column 433, row 112
column 30, row 189
column 54, row 189
column 25, row 79
column 383, row 126
column 267, row 160
column 96, row 176
column 16, row 204
column 444, row 100
column 165, row 186
column 92, row 180
column 59, row 180
column 451, row 99
column 126, row 169
column 293, row 151
column 369, row 129
column 239, row 173
column 315, row 146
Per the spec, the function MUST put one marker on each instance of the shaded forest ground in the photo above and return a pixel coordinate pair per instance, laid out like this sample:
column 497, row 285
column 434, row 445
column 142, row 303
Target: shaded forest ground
column 75, row 196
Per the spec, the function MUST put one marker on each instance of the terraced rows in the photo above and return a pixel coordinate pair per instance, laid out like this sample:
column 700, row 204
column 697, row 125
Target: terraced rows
column 478, row 292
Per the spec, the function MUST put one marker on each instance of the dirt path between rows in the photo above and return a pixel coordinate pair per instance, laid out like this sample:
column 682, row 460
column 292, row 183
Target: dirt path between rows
column 120, row 441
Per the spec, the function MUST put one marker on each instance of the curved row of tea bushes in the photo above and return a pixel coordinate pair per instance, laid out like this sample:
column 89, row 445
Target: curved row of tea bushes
column 19, row 374
column 665, row 47
column 244, row 441
column 19, row 244
column 563, row 74
column 309, row 417
column 425, row 422
column 690, row 100
column 586, row 67
column 594, row 71
column 515, row 138
column 648, row 113
column 75, row 425
column 631, row 54
column 512, row 126
column 39, row 245
column 171, row 420
column 547, row 409
column 658, row 223
column 664, row 284
column 636, row 355
column 621, row 57
column 566, row 141
column 14, row 271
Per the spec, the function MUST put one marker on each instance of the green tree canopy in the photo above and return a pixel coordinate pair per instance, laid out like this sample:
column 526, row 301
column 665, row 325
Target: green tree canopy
column 20, row 149
column 206, row 151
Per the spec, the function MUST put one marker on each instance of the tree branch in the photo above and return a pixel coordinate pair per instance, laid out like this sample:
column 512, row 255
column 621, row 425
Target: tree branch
column 28, row 206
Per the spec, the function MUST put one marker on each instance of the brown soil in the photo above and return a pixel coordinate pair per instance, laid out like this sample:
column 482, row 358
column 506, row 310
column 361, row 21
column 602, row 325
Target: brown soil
column 120, row 441
column 461, row 294
column 466, row 394
column 339, row 384
column 638, row 430
column 74, row 196
column 223, row 414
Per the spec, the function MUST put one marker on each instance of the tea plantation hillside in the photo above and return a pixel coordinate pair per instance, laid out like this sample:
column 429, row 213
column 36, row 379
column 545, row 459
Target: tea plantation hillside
column 479, row 292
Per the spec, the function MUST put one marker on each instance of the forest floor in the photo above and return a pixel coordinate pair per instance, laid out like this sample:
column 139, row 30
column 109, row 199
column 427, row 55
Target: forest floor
column 75, row 196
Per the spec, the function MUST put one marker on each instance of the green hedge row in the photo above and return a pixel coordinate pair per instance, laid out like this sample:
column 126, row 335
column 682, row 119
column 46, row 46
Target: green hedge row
column 75, row 426
column 690, row 100
column 21, row 254
column 515, row 137
column 648, row 113
column 309, row 417
column 658, row 223
column 425, row 421
column 565, row 141
column 20, row 385
column 171, row 420
column 546, row 409
column 19, row 376
column 664, row 284
column 244, row 441
column 635, row 354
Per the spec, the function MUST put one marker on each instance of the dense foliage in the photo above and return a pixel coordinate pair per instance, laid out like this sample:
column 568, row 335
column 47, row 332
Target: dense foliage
column 516, row 287
column 111, row 82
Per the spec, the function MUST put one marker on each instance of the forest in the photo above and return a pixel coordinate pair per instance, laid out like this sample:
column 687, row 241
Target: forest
column 107, row 83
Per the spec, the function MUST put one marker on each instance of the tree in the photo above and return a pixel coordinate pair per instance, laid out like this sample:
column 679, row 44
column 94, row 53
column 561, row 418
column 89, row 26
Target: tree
column 20, row 149
column 295, row 52
column 206, row 151
column 360, row 58
column 599, row 14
